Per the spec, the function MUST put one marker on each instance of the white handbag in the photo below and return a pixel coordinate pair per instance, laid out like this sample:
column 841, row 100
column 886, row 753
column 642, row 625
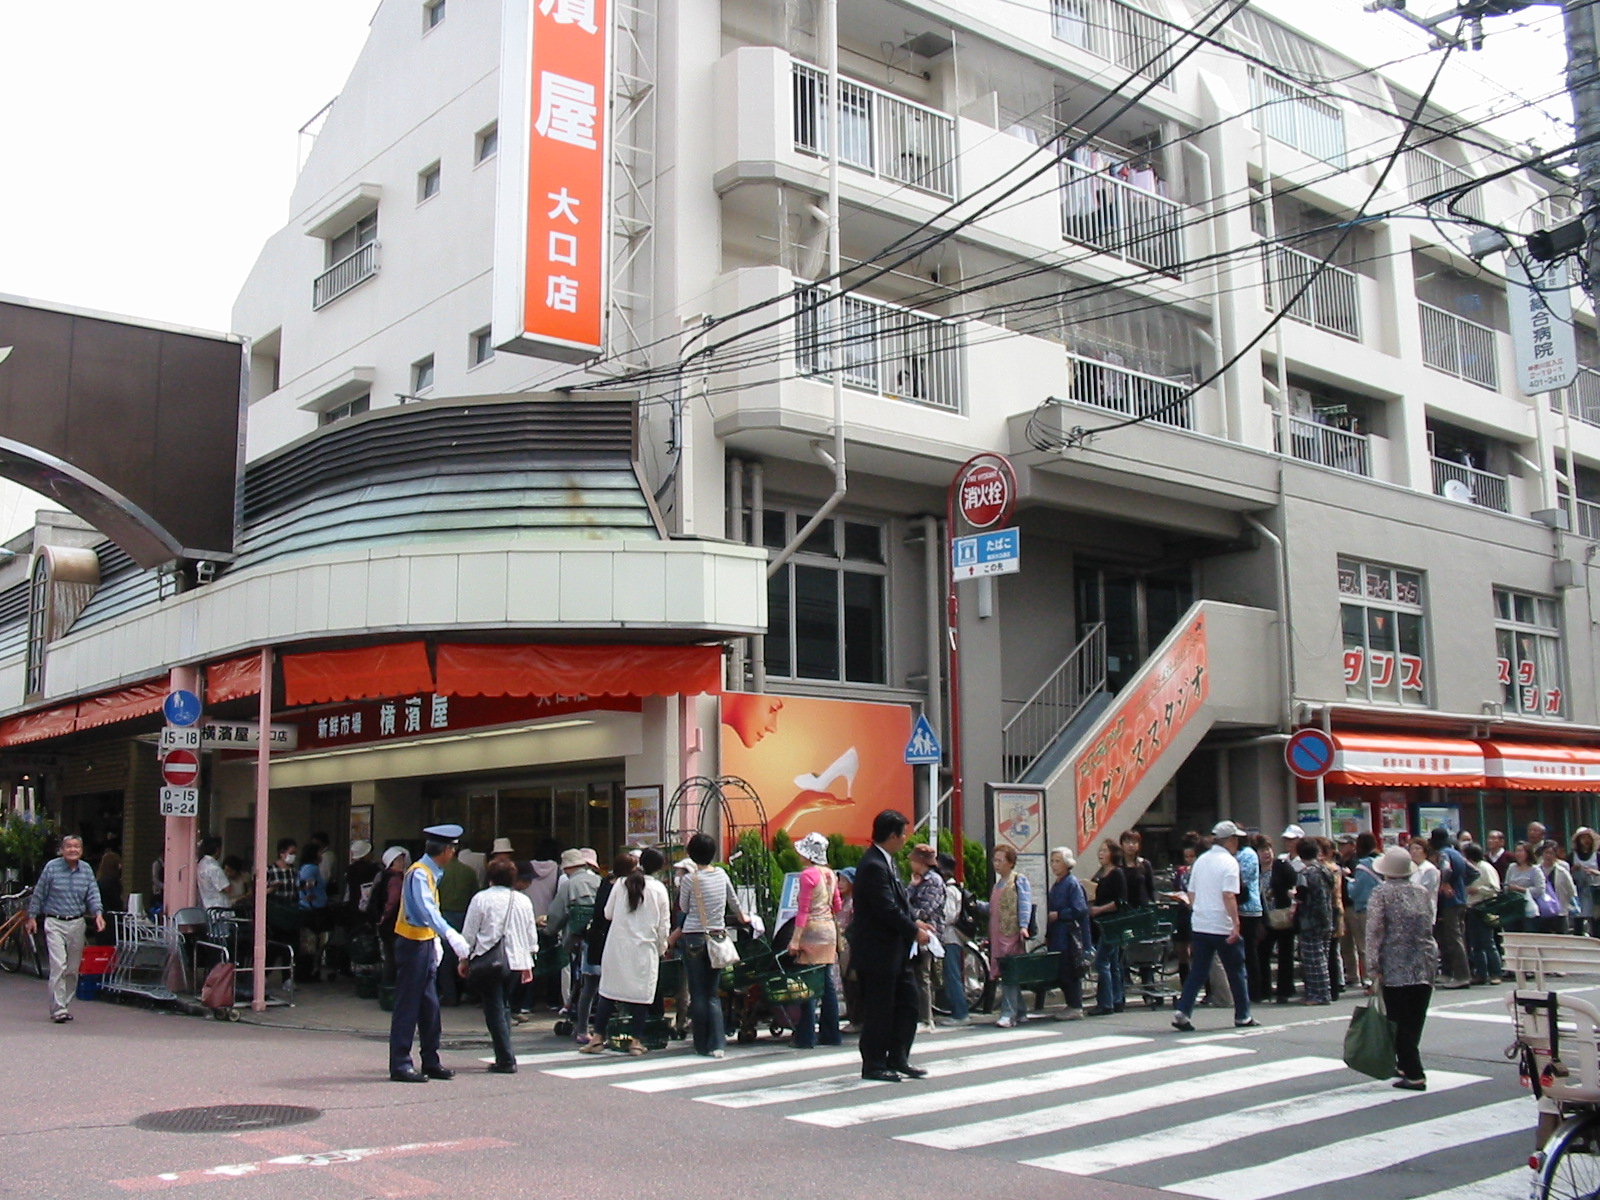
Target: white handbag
column 720, row 950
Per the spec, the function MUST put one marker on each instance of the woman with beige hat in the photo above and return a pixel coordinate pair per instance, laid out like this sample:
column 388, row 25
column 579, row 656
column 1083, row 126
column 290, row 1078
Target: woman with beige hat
column 1404, row 959
column 816, row 943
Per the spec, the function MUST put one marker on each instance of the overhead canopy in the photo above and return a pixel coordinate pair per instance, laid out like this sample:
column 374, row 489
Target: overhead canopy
column 1375, row 760
column 1533, row 767
column 493, row 670
column 364, row 673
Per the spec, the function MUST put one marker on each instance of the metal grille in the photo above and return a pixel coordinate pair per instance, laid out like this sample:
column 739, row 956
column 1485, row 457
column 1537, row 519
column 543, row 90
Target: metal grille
column 1428, row 175
column 1110, row 214
column 226, row 1118
column 1120, row 389
column 344, row 275
column 1331, row 303
column 1458, row 346
column 1292, row 115
column 878, row 132
column 882, row 348
column 1118, row 32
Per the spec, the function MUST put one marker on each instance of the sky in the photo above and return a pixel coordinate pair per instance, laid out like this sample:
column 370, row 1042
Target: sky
column 151, row 147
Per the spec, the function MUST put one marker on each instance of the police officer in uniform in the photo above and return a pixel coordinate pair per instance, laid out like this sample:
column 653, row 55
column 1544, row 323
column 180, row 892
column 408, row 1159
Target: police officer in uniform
column 418, row 927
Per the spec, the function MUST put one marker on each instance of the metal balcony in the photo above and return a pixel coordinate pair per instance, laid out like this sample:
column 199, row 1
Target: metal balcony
column 344, row 275
column 1110, row 214
column 1427, row 175
column 1484, row 489
column 1327, row 446
column 1120, row 389
column 879, row 133
column 1118, row 32
column 882, row 348
column 1332, row 303
column 1458, row 346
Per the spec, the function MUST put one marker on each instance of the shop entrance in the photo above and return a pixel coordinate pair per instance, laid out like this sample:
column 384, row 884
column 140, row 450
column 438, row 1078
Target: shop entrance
column 541, row 816
column 1139, row 608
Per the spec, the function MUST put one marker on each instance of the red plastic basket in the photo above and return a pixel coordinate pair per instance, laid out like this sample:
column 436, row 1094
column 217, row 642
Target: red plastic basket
column 97, row 960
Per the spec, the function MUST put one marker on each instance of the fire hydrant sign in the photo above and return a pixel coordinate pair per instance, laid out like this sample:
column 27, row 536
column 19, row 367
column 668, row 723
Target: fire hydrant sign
column 984, row 495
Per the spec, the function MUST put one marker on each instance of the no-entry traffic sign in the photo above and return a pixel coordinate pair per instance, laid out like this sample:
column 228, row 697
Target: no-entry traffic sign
column 1309, row 754
column 180, row 768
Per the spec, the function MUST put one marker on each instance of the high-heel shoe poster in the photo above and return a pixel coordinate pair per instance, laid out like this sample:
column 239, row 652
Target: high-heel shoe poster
column 819, row 766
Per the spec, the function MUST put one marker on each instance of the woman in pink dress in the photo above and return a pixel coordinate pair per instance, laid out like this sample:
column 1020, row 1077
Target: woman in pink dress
column 816, row 942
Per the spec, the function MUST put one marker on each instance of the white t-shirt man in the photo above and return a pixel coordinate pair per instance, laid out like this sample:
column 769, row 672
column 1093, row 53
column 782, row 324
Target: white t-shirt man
column 1215, row 873
column 212, row 881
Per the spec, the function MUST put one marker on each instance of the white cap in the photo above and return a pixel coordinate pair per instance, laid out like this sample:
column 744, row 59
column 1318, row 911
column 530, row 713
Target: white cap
column 1294, row 831
column 1224, row 829
column 392, row 853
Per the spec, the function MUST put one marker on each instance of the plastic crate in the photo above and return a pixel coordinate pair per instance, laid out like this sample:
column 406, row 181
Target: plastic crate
column 795, row 987
column 657, row 1033
column 88, row 987
column 669, row 977
column 1031, row 970
column 1502, row 906
column 97, row 960
column 367, row 987
column 1129, row 925
column 385, row 998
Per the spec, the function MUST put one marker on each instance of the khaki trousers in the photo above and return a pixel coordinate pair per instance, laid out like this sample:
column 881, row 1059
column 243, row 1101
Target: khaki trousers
column 64, row 940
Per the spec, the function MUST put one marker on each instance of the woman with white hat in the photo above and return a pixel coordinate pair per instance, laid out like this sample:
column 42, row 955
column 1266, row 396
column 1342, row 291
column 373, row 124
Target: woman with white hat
column 1404, row 959
column 816, row 942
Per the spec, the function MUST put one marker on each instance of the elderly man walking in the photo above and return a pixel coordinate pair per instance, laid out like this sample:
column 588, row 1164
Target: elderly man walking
column 65, row 896
column 1214, row 900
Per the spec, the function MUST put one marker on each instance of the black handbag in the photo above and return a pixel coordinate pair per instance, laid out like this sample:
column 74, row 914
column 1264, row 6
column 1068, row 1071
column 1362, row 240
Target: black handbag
column 493, row 965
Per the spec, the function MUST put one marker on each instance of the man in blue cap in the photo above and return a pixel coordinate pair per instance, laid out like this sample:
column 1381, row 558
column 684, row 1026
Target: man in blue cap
column 418, row 927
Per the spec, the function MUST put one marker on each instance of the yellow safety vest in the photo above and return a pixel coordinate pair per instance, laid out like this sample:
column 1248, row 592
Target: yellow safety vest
column 403, row 927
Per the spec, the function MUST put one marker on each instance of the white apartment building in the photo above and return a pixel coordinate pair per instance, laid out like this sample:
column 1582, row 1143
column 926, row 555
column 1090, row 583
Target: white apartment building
column 1084, row 216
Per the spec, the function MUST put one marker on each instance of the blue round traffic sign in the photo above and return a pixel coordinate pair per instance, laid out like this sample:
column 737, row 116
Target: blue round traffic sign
column 181, row 708
column 1309, row 754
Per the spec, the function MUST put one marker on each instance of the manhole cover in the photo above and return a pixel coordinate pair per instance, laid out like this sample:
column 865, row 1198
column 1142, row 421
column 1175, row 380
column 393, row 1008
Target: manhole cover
column 226, row 1118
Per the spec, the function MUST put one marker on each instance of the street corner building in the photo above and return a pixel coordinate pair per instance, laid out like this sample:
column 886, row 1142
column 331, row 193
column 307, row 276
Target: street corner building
column 589, row 426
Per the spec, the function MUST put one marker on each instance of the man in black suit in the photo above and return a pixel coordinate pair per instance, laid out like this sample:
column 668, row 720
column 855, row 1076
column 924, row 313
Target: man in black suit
column 881, row 935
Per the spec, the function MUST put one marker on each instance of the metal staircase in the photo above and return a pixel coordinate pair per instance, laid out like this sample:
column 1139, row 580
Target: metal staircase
column 1039, row 724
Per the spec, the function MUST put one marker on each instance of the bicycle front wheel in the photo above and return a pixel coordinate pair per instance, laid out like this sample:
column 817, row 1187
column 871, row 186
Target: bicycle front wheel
column 12, row 951
column 1572, row 1163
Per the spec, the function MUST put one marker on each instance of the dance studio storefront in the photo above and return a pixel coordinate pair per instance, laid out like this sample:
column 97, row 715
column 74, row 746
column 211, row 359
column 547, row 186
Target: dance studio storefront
column 1402, row 785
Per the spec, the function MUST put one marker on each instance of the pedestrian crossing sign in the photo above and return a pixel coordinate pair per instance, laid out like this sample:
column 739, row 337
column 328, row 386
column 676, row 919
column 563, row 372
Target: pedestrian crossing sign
column 923, row 749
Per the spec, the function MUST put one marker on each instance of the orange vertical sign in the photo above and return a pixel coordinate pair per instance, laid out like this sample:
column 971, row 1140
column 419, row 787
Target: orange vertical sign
column 568, row 167
column 1144, row 719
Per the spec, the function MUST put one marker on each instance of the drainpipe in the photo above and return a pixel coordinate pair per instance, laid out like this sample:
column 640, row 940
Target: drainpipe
column 933, row 595
column 835, row 457
column 1281, row 408
column 1213, row 336
column 735, row 533
column 758, row 519
column 1286, row 661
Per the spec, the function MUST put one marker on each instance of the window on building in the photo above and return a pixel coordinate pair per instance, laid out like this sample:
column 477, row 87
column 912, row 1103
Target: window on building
column 487, row 144
column 363, row 233
column 1527, row 634
column 1385, row 654
column 428, row 182
column 1296, row 117
column 352, row 408
column 432, row 14
column 828, row 606
column 422, row 375
column 481, row 344
column 38, row 624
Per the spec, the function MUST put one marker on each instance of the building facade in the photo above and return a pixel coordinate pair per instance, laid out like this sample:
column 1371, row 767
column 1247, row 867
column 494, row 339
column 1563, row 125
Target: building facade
column 1273, row 467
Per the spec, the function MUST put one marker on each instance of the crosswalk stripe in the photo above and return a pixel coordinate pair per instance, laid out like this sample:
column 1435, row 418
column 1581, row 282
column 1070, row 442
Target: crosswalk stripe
column 1088, row 1112
column 919, row 1103
column 1513, row 1185
column 1216, row 1131
column 605, row 1066
column 1374, row 1152
column 799, row 1062
column 817, row 1089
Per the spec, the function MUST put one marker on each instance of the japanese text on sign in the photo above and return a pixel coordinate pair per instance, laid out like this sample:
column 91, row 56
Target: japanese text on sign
column 1144, row 721
column 566, row 222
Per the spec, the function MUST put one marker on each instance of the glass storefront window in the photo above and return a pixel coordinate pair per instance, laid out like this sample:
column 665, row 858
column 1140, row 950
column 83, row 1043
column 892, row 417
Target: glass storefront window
column 1383, row 617
column 1528, row 659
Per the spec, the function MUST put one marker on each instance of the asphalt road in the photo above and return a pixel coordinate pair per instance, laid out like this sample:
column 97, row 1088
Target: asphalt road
column 1101, row 1109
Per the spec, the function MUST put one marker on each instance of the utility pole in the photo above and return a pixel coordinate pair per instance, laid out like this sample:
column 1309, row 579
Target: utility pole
column 1582, row 20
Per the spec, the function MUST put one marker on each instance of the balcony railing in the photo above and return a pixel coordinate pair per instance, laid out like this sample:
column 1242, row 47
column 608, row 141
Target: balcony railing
column 1588, row 518
column 1458, row 346
column 1331, row 303
column 1427, row 175
column 344, row 275
column 1116, row 31
column 1106, row 385
column 1110, row 214
column 1329, row 447
column 1483, row 488
column 1296, row 117
column 881, row 348
column 879, row 133
column 1582, row 399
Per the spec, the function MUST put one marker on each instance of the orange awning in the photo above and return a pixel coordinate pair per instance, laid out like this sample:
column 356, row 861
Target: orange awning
column 38, row 725
column 497, row 670
column 1541, row 767
column 233, row 679
column 140, row 700
column 365, row 673
column 1379, row 760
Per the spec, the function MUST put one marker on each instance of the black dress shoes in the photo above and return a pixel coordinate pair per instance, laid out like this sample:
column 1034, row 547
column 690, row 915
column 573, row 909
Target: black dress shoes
column 509, row 1068
column 438, row 1072
column 407, row 1076
column 881, row 1075
column 910, row 1072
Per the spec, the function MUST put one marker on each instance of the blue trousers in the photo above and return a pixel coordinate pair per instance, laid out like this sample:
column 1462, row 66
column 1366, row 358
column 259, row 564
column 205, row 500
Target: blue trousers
column 955, row 980
column 806, row 1029
column 1208, row 946
column 1108, row 971
column 416, row 1005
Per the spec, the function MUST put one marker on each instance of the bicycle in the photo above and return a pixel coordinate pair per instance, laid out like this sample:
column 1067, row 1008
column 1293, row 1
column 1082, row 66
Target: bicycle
column 17, row 947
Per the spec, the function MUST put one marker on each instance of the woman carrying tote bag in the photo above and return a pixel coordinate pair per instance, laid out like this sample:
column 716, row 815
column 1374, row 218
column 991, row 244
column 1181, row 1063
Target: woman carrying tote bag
column 705, row 897
column 500, row 931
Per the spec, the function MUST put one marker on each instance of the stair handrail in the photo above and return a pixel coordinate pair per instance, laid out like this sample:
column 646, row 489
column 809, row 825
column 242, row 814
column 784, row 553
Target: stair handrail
column 1093, row 643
